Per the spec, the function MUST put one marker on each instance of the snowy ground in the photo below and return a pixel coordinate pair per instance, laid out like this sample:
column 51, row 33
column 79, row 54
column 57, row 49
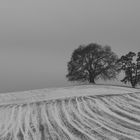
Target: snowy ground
column 58, row 93
column 72, row 113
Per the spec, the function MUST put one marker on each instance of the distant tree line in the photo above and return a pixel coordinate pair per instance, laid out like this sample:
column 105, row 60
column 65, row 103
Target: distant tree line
column 93, row 61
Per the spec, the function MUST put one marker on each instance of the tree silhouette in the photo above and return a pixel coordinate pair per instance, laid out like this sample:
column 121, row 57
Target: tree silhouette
column 131, row 67
column 91, row 62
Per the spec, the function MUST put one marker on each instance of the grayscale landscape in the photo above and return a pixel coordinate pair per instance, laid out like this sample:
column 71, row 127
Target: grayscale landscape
column 69, row 69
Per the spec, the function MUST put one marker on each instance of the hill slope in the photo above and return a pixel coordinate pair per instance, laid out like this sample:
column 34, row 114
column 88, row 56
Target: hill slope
column 75, row 113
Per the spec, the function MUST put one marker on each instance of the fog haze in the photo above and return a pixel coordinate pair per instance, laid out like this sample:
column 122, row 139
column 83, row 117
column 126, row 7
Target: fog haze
column 37, row 37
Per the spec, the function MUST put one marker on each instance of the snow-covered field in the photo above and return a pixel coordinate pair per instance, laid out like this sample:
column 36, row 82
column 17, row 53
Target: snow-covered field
column 72, row 113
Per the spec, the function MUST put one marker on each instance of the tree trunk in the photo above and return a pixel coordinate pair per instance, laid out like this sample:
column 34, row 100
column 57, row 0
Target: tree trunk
column 133, row 84
column 92, row 80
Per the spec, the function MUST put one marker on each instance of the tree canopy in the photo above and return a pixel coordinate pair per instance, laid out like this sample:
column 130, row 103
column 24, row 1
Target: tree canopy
column 91, row 62
column 130, row 64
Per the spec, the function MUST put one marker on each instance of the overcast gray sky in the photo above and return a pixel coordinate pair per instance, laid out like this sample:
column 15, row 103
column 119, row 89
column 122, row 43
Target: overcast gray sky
column 37, row 37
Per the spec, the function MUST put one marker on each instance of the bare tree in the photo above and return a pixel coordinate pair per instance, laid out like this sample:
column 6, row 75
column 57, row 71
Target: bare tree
column 91, row 62
column 131, row 67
